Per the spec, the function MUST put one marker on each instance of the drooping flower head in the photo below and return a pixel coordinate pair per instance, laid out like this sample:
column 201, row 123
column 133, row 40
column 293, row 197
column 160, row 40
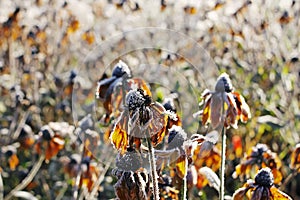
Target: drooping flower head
column 262, row 188
column 224, row 106
column 259, row 157
column 49, row 142
column 141, row 118
column 111, row 90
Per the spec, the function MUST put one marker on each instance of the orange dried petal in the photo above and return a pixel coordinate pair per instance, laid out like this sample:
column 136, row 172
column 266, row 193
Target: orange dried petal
column 181, row 166
column 119, row 138
column 277, row 176
column 201, row 181
column 74, row 26
column 279, row 195
column 158, row 123
column 89, row 37
column 13, row 161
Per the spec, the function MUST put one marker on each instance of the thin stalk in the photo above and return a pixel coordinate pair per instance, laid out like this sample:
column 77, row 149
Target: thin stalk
column 222, row 170
column 99, row 181
column 1, row 187
column 153, row 169
column 184, row 186
column 28, row 178
column 288, row 179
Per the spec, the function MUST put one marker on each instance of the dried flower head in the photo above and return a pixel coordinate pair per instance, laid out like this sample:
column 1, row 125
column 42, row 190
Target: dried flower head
column 89, row 173
column 106, row 86
column 10, row 154
column 262, row 188
column 224, row 106
column 49, row 142
column 110, row 90
column 173, row 118
column 132, row 185
column 86, row 167
column 260, row 156
column 176, row 138
column 141, row 118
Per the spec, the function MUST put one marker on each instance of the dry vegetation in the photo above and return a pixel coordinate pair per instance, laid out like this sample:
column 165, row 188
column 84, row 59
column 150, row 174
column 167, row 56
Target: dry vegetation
column 64, row 107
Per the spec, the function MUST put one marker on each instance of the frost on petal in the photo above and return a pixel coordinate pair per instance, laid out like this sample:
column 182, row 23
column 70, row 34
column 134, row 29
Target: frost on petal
column 158, row 124
column 211, row 176
column 241, row 193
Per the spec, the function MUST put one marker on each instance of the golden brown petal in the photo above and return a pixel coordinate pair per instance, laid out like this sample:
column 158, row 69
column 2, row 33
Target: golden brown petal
column 13, row 162
column 206, row 112
column 240, row 194
column 242, row 107
column 181, row 166
column 119, row 138
column 157, row 127
column 279, row 195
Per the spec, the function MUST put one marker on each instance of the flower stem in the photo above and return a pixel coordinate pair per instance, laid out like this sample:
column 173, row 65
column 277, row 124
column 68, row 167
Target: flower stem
column 1, row 187
column 153, row 170
column 222, row 170
column 28, row 178
column 288, row 179
column 184, row 186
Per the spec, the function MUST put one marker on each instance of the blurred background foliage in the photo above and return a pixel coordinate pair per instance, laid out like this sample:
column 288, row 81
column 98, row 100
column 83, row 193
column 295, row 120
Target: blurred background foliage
column 43, row 61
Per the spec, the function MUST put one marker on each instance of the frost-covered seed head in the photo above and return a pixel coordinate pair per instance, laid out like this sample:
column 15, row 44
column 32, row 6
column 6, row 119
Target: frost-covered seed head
column 176, row 137
column 224, row 84
column 134, row 100
column 264, row 177
column 120, row 69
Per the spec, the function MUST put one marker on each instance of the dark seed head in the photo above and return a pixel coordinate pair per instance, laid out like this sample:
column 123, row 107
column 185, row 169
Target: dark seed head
column 47, row 133
column 131, row 161
column 264, row 177
column 224, row 84
column 121, row 69
column 169, row 104
column 176, row 137
column 134, row 99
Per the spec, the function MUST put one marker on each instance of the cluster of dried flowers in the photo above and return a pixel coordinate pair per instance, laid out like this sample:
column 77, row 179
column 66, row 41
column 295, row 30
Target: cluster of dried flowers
column 181, row 161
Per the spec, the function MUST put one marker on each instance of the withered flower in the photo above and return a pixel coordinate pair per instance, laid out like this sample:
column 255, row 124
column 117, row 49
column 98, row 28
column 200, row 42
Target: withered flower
column 295, row 158
column 86, row 168
column 141, row 118
column 224, row 106
column 132, row 185
column 10, row 153
column 89, row 173
column 258, row 157
column 262, row 188
column 49, row 142
column 110, row 90
column 169, row 105
column 26, row 137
